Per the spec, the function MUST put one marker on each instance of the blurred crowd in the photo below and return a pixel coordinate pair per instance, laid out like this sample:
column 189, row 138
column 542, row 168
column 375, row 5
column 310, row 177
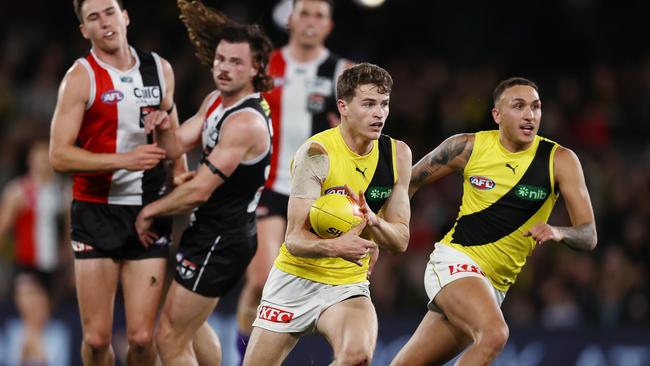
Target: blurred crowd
column 600, row 109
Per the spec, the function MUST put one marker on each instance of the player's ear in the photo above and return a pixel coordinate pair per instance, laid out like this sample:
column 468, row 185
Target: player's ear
column 127, row 20
column 496, row 115
column 342, row 106
column 330, row 26
column 82, row 29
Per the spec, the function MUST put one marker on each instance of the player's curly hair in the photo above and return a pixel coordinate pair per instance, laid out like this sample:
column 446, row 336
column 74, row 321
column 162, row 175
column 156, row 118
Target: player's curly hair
column 362, row 74
column 207, row 26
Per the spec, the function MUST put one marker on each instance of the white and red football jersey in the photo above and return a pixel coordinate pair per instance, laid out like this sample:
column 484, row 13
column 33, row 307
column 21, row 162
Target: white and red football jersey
column 37, row 229
column 113, row 123
column 303, row 96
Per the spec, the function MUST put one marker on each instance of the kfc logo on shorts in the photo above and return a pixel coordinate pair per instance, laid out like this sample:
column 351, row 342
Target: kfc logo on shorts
column 482, row 183
column 186, row 269
column 275, row 315
column 112, row 96
column 465, row 267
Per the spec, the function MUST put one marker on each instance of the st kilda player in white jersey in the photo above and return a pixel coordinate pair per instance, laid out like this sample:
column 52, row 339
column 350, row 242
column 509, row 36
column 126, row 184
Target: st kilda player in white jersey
column 303, row 103
column 98, row 136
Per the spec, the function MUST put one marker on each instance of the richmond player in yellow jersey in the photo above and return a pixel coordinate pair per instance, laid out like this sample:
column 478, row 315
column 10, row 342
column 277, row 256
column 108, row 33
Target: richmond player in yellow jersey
column 320, row 285
column 511, row 180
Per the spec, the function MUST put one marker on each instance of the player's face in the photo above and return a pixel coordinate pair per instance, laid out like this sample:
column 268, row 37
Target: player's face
column 38, row 160
column 518, row 113
column 233, row 68
column 310, row 22
column 104, row 24
column 366, row 113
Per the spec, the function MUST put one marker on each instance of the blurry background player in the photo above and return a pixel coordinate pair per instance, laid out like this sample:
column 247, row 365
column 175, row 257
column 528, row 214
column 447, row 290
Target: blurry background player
column 97, row 134
column 32, row 208
column 303, row 103
column 233, row 128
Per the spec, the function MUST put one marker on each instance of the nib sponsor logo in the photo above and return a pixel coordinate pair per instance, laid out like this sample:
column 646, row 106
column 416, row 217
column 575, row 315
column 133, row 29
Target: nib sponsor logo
column 275, row 315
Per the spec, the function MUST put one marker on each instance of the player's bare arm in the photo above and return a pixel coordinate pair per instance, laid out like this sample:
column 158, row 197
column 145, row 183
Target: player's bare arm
column 65, row 156
column 310, row 169
column 179, row 165
column 11, row 201
column 451, row 155
column 391, row 229
column 178, row 141
column 569, row 177
column 240, row 136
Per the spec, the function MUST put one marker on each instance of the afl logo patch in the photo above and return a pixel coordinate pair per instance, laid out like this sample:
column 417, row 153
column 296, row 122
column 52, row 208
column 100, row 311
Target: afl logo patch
column 112, row 96
column 482, row 183
column 336, row 190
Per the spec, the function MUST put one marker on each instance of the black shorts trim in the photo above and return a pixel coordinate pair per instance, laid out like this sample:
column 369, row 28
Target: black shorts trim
column 107, row 231
column 212, row 264
column 272, row 204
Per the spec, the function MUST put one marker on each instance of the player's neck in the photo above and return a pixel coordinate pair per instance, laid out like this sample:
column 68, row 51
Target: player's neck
column 358, row 144
column 512, row 146
column 122, row 59
column 301, row 53
column 229, row 99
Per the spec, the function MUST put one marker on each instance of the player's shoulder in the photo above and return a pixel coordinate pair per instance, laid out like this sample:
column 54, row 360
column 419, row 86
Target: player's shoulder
column 311, row 148
column 14, row 190
column 76, row 81
column 402, row 148
column 78, row 71
column 564, row 154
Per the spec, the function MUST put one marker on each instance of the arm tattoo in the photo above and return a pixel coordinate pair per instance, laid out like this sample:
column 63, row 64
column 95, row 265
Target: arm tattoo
column 581, row 237
column 457, row 146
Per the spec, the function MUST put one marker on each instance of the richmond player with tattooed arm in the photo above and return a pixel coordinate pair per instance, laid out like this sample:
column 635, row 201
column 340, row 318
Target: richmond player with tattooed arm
column 511, row 180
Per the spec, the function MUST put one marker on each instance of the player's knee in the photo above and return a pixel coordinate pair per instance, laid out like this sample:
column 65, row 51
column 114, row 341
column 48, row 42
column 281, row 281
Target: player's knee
column 163, row 336
column 354, row 355
column 494, row 339
column 98, row 341
column 140, row 338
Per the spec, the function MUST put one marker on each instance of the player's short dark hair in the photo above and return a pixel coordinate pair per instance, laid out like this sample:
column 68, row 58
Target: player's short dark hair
column 330, row 2
column 207, row 26
column 509, row 83
column 362, row 74
column 79, row 3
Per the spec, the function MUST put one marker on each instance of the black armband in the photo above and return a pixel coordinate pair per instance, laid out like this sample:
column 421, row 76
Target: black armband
column 213, row 168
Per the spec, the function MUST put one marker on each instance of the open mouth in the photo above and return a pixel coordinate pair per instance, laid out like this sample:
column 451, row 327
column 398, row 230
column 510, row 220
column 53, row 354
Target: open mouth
column 527, row 129
column 377, row 125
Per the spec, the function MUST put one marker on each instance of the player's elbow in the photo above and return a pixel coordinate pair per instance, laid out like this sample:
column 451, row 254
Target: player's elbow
column 592, row 243
column 200, row 196
column 401, row 246
column 57, row 161
column 405, row 237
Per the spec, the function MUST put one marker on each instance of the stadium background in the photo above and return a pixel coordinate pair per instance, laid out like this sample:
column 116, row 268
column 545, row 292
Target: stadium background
column 591, row 60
